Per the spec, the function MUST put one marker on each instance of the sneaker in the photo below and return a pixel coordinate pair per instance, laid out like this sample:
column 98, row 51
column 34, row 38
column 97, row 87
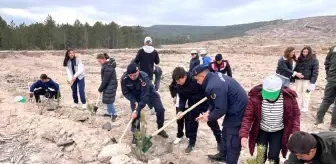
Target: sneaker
column 114, row 118
column 177, row 140
column 84, row 106
column 107, row 114
column 134, row 141
column 163, row 134
column 152, row 111
column 74, row 106
column 304, row 110
column 189, row 149
column 318, row 121
column 218, row 157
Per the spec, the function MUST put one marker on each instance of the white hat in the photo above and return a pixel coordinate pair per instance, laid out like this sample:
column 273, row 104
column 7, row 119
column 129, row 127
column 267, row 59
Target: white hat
column 193, row 51
column 203, row 52
column 271, row 87
column 148, row 39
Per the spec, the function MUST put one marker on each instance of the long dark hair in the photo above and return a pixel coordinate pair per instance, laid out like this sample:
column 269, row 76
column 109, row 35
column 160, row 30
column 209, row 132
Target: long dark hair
column 287, row 54
column 67, row 58
column 308, row 57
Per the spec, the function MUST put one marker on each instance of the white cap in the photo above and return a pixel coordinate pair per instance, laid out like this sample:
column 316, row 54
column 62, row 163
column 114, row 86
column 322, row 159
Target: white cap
column 193, row 51
column 203, row 52
column 271, row 87
column 148, row 39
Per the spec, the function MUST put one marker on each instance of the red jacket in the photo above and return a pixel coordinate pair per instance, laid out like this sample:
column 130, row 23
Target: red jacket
column 252, row 117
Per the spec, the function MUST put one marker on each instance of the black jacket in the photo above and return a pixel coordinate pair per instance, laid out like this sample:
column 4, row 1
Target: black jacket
column 308, row 66
column 140, row 90
column 146, row 58
column 330, row 65
column 191, row 91
column 327, row 140
column 109, row 82
column 285, row 68
column 193, row 63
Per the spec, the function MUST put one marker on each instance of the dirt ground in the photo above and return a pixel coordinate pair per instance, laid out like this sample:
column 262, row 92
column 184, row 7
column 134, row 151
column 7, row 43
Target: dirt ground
column 29, row 134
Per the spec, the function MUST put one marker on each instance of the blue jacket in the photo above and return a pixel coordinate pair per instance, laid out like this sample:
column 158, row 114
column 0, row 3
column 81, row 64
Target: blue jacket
column 206, row 60
column 140, row 90
column 51, row 85
column 226, row 97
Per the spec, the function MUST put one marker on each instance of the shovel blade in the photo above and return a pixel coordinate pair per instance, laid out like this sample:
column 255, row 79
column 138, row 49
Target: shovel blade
column 147, row 143
column 95, row 108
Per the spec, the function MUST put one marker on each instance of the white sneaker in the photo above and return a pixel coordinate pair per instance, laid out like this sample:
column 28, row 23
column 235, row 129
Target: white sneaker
column 304, row 110
column 84, row 106
column 152, row 111
column 74, row 106
column 177, row 140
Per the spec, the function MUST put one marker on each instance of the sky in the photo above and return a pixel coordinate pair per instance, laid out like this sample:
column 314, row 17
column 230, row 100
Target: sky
column 171, row 12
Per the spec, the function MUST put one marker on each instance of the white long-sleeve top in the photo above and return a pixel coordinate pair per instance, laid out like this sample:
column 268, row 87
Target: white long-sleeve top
column 79, row 70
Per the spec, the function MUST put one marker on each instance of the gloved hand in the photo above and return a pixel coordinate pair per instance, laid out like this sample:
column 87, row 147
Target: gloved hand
column 311, row 87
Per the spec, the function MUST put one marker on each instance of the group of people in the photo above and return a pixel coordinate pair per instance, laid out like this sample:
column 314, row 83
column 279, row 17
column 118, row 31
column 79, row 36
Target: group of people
column 268, row 115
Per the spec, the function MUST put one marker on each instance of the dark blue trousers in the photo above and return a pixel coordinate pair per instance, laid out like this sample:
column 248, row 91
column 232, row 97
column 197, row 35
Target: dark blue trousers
column 230, row 144
column 159, row 110
column 80, row 85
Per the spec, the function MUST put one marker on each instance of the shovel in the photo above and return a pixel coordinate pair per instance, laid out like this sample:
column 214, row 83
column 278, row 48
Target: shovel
column 95, row 108
column 147, row 143
column 128, row 125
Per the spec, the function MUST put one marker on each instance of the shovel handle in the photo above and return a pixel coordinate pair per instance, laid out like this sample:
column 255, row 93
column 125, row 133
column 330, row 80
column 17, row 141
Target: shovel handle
column 128, row 125
column 176, row 118
column 98, row 99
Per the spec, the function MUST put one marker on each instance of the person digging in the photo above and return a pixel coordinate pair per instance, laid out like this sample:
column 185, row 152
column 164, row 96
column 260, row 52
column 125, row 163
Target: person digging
column 137, row 87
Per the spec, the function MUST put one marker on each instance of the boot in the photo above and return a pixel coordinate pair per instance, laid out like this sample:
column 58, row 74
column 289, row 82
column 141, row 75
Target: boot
column 189, row 149
column 218, row 157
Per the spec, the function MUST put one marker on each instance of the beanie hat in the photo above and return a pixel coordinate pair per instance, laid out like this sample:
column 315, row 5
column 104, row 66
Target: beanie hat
column 218, row 57
column 271, row 87
column 132, row 68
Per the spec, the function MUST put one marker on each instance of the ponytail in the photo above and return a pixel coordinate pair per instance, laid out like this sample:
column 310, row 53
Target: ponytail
column 106, row 56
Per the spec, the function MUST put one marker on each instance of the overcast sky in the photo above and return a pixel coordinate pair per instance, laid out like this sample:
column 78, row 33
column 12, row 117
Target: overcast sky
column 152, row 12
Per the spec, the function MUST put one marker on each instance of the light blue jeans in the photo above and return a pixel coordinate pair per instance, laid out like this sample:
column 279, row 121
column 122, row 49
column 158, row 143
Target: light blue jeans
column 111, row 109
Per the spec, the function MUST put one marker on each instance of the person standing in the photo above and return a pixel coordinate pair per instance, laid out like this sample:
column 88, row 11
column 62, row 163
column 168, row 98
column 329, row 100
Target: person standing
column 309, row 67
column 194, row 61
column 286, row 66
column 329, row 91
column 206, row 59
column 271, row 116
column 76, row 77
column 146, row 57
column 139, row 90
column 109, row 83
column 220, row 65
column 226, row 97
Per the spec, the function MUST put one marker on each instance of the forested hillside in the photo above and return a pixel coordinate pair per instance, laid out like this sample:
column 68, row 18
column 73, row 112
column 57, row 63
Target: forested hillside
column 81, row 35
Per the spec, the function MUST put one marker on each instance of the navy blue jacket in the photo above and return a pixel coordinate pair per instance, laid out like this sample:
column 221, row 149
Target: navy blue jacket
column 191, row 91
column 226, row 97
column 45, row 86
column 140, row 90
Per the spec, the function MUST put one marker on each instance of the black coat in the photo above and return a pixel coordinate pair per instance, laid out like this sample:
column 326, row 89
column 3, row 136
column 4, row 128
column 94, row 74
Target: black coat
column 285, row 68
column 330, row 65
column 193, row 63
column 146, row 59
column 109, row 82
column 309, row 67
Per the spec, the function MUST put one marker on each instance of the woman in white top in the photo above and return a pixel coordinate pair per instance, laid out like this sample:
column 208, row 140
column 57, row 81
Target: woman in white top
column 76, row 77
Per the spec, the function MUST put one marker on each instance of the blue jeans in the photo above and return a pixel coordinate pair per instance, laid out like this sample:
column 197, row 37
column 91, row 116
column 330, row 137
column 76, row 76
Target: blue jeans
column 81, row 88
column 285, row 81
column 111, row 109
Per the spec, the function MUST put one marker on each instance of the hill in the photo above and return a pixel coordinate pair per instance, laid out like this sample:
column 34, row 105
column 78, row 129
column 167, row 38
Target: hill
column 186, row 33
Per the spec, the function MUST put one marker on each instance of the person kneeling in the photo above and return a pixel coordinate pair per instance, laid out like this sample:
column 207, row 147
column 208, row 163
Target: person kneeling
column 45, row 86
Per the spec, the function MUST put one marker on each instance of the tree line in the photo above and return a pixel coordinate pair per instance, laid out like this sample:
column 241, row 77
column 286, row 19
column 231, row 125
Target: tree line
column 48, row 35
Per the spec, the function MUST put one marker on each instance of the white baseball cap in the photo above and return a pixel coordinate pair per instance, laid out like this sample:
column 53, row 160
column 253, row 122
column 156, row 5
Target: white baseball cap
column 271, row 87
column 193, row 51
column 203, row 52
column 148, row 39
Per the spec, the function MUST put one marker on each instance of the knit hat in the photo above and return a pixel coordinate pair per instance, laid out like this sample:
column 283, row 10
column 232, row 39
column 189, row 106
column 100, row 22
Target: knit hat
column 132, row 68
column 148, row 39
column 218, row 57
column 271, row 87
